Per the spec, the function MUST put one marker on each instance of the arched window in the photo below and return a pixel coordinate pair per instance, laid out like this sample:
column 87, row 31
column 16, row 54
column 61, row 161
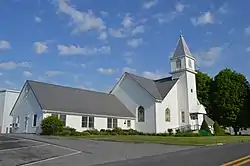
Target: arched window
column 141, row 114
column 167, row 115
column 178, row 64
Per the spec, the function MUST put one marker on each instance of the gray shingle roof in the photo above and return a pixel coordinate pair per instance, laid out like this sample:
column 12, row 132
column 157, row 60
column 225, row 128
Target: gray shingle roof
column 68, row 99
column 181, row 48
column 157, row 88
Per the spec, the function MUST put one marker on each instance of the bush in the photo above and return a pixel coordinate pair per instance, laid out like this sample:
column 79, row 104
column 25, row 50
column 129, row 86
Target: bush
column 93, row 132
column 218, row 131
column 187, row 134
column 170, row 131
column 205, row 133
column 51, row 125
column 204, row 126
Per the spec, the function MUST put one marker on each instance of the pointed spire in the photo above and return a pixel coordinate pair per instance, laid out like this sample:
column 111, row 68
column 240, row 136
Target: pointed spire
column 182, row 48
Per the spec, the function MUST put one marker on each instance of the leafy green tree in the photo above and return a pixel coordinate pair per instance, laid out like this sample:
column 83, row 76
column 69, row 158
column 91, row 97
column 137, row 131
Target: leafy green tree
column 218, row 130
column 51, row 125
column 203, row 85
column 229, row 94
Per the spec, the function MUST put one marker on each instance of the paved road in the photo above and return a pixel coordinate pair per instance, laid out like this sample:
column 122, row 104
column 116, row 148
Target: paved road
column 204, row 156
column 81, row 152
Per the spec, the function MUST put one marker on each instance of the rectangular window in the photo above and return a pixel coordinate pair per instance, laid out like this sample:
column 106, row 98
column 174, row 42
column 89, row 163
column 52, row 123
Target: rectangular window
column 88, row 121
column 114, row 122
column 109, row 123
column 167, row 115
column 194, row 116
column 84, row 121
column 54, row 114
column 63, row 119
column 18, row 119
column 91, row 122
column 128, row 123
column 34, row 120
column 183, row 116
column 178, row 64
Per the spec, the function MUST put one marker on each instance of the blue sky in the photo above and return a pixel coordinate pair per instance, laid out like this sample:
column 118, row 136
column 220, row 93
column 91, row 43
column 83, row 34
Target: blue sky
column 90, row 43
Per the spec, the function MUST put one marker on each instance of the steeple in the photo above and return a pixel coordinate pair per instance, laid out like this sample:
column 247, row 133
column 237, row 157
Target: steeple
column 181, row 48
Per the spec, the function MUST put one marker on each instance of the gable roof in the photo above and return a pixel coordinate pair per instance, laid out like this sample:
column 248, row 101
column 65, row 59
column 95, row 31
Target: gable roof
column 67, row 99
column 181, row 48
column 157, row 88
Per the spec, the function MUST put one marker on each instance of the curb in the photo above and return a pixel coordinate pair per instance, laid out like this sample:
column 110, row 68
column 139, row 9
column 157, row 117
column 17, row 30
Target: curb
column 217, row 144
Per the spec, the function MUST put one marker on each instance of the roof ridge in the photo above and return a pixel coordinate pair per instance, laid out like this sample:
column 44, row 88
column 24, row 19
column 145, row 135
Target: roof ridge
column 70, row 87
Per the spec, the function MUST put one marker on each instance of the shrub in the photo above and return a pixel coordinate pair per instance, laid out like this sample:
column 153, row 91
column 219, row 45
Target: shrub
column 218, row 131
column 177, row 131
column 187, row 134
column 205, row 133
column 51, row 125
column 204, row 126
column 170, row 131
column 93, row 132
column 118, row 130
column 85, row 133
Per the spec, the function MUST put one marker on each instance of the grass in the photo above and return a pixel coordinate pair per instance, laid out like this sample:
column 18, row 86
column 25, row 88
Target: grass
column 206, row 140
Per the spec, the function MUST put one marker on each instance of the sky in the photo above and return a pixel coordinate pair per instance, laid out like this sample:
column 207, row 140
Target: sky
column 90, row 43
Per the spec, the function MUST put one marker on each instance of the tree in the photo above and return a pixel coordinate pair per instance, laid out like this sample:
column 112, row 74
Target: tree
column 228, row 98
column 203, row 84
column 51, row 125
column 218, row 130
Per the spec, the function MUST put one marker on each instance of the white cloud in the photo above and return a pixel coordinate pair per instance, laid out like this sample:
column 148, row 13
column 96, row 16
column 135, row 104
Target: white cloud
column 4, row 45
column 107, row 71
column 135, row 42
column 13, row 65
column 77, row 50
column 129, row 70
column 179, row 7
column 104, row 14
column 127, row 21
column 128, row 57
column 103, row 35
column 247, row 30
column 165, row 18
column 38, row 19
column 83, row 21
column 83, row 65
column 117, row 33
column 248, row 49
column 206, row 18
column 208, row 58
column 53, row 73
column 149, row 4
column 27, row 73
column 40, row 47
column 223, row 9
column 138, row 29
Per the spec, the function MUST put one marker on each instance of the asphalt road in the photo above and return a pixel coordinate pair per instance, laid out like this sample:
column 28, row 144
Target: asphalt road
column 27, row 150
column 203, row 156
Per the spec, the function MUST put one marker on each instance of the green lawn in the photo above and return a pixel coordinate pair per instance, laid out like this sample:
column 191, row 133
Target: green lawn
column 174, row 140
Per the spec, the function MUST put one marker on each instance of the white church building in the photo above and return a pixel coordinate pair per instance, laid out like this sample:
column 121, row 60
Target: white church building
column 135, row 102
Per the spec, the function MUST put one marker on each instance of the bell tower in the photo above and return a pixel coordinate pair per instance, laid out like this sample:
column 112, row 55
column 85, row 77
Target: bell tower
column 183, row 68
column 182, row 59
